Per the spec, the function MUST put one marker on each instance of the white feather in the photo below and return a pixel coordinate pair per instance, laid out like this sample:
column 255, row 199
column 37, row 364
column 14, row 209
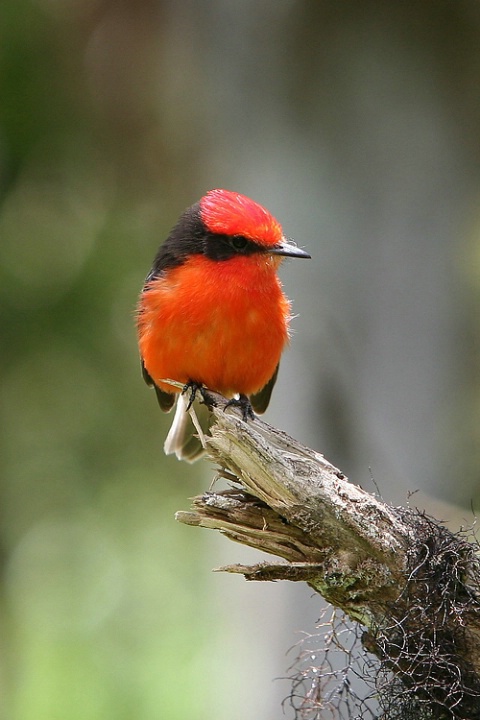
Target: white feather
column 186, row 437
column 176, row 436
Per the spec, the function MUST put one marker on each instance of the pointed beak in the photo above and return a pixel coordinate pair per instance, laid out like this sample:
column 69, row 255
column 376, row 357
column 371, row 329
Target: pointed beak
column 288, row 248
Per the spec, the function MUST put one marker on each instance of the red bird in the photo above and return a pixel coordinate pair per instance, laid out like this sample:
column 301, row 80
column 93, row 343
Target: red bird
column 212, row 313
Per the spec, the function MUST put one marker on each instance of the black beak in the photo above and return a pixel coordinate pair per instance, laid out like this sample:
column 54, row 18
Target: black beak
column 288, row 248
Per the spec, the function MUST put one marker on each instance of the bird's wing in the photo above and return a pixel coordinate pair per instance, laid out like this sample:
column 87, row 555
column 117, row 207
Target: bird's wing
column 261, row 399
column 165, row 399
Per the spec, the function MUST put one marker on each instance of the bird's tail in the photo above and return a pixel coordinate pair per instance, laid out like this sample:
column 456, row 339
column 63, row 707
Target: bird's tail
column 184, row 438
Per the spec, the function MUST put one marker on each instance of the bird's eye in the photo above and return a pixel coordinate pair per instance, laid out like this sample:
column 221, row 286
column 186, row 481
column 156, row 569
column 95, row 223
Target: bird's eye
column 238, row 242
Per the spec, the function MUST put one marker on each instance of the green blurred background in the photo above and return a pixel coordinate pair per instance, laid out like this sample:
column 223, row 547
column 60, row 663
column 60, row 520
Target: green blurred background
column 358, row 125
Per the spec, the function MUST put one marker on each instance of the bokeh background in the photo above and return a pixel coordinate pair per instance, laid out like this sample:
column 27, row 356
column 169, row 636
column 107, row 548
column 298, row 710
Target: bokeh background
column 358, row 125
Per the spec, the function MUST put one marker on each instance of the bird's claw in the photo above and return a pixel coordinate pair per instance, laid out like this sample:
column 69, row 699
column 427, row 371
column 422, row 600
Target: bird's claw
column 244, row 405
column 194, row 388
column 242, row 402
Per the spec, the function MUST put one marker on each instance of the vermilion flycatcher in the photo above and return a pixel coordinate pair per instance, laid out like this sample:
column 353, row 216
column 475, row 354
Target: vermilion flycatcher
column 212, row 313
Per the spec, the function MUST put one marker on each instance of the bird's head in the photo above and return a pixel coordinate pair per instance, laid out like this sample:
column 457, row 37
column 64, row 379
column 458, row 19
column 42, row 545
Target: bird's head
column 225, row 226
column 243, row 226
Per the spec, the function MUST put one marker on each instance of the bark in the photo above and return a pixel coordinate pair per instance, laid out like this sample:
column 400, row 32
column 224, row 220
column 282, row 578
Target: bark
column 412, row 584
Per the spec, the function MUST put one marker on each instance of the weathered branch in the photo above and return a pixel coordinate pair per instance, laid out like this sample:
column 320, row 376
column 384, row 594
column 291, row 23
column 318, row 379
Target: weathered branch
column 408, row 580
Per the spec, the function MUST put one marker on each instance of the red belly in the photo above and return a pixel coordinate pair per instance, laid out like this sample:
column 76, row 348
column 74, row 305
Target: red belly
column 222, row 324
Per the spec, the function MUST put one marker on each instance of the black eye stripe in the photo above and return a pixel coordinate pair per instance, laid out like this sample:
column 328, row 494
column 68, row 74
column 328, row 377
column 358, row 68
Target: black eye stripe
column 190, row 237
column 224, row 247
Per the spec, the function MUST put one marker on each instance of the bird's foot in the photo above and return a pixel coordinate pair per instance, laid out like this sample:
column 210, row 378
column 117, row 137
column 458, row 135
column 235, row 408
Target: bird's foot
column 193, row 388
column 208, row 398
column 244, row 405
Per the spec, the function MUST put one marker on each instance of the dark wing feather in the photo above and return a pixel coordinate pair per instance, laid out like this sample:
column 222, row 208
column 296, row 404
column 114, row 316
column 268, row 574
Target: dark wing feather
column 261, row 399
column 165, row 400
